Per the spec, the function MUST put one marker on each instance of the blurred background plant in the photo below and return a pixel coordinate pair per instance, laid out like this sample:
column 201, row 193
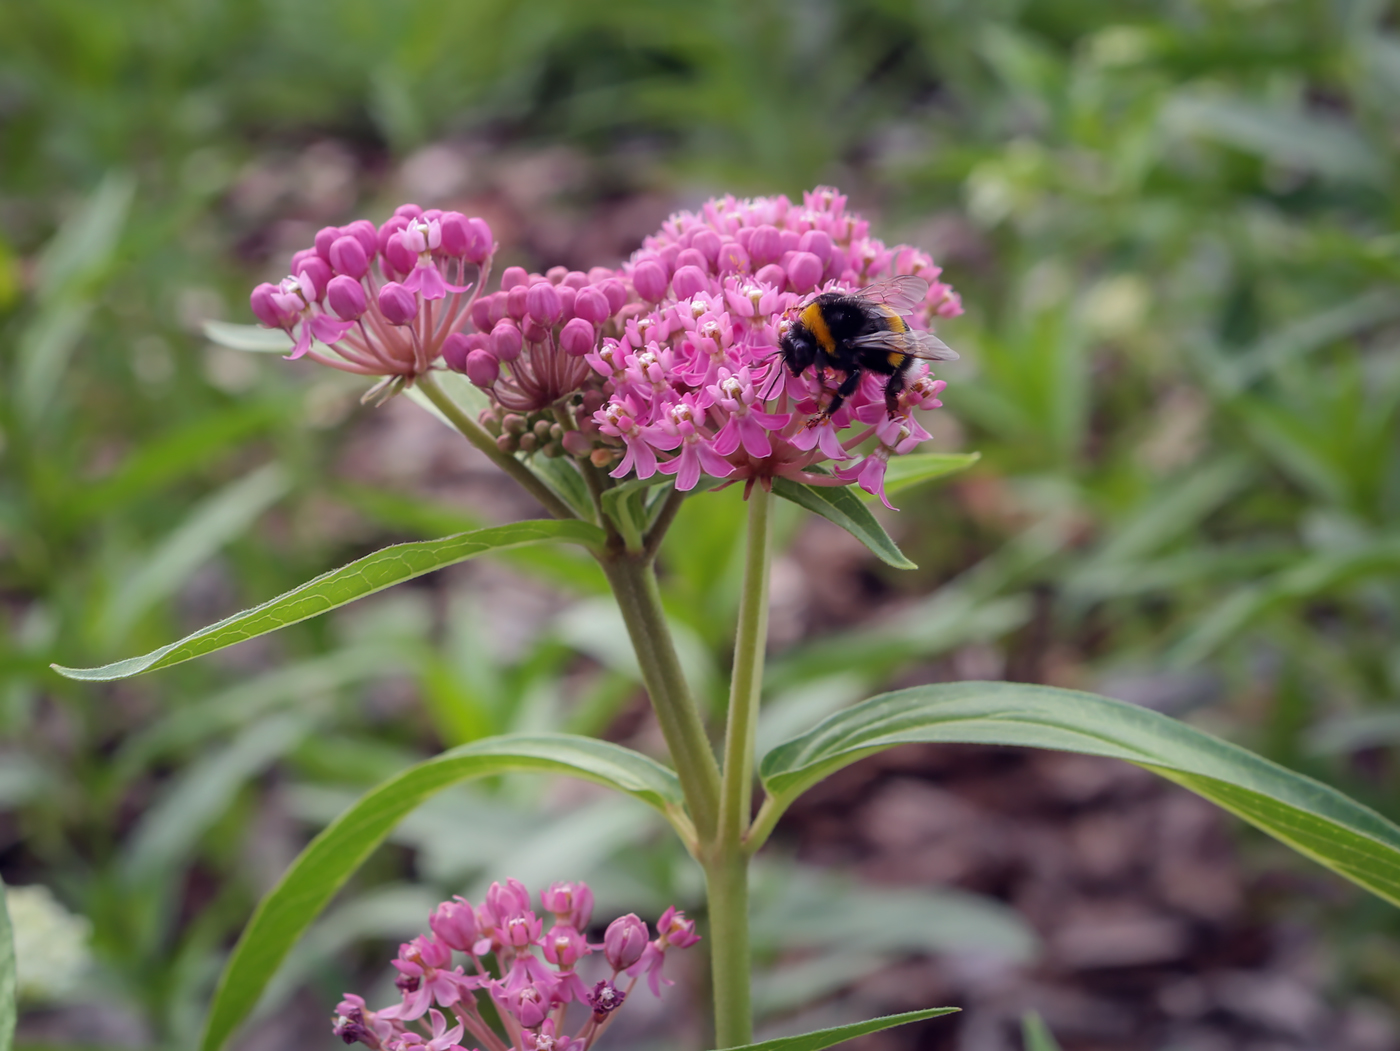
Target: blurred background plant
column 1175, row 228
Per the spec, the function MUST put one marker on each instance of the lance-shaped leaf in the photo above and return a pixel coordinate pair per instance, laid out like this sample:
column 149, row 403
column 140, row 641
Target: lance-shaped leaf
column 905, row 472
column 7, row 976
column 1036, row 1033
column 838, row 504
column 1315, row 820
column 330, row 859
column 365, row 576
column 823, row 1038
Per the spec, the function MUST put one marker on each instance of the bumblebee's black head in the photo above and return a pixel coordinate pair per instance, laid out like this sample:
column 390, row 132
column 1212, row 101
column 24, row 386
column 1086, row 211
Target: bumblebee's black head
column 799, row 349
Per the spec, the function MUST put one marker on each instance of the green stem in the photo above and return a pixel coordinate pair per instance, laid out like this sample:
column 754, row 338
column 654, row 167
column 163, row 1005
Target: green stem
column 727, row 888
column 633, row 581
column 478, row 436
column 727, row 871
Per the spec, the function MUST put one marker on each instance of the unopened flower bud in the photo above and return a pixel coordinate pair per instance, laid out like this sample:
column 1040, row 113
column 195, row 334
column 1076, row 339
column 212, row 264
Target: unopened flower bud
column 454, row 233
column 575, row 279
column 818, row 242
column 454, row 923
column 515, row 302
column 774, row 275
column 398, row 305
column 458, row 345
column 541, row 429
column 567, row 295
column 506, row 340
column 513, row 423
column 732, row 258
column 318, row 272
column 576, row 338
column 765, row 245
column 348, row 256
column 513, row 276
column 555, row 274
column 689, row 280
column 602, row 457
column 363, row 231
column 542, row 303
column 624, row 941
column 388, row 231
column 616, row 292
column 533, row 331
column 479, row 241
column 649, row 279
column 399, row 253
column 576, row 443
column 270, row 306
column 408, row 211
column 691, row 257
column 804, row 269
column 708, row 243
column 528, row 442
column 325, row 237
column 481, row 313
column 591, row 304
column 346, row 297
column 482, row 368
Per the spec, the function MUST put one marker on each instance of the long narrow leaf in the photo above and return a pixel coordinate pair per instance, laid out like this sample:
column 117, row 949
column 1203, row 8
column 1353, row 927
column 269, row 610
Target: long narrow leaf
column 1337, row 832
column 838, row 504
column 334, row 855
column 1036, row 1033
column 7, row 976
column 822, row 1038
column 905, row 472
column 383, row 569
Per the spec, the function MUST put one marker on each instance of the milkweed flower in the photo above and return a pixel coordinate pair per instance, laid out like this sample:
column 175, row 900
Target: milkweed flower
column 669, row 364
column 537, row 976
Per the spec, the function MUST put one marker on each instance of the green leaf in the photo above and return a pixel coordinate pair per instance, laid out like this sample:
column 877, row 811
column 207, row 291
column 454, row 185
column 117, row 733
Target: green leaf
column 7, row 975
column 252, row 338
column 384, row 568
column 1037, row 1034
column 335, row 854
column 822, row 1038
column 1337, row 832
column 905, row 472
column 838, row 504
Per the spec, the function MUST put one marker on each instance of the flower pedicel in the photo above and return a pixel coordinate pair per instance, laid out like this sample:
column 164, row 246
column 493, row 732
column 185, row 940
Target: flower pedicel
column 669, row 364
column 532, row 995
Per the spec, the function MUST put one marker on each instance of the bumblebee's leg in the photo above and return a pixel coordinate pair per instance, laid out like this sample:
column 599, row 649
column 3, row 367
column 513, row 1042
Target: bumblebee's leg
column 893, row 388
column 847, row 388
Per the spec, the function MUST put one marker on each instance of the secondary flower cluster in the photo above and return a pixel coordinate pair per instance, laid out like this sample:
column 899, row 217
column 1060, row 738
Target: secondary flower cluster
column 532, row 995
column 670, row 364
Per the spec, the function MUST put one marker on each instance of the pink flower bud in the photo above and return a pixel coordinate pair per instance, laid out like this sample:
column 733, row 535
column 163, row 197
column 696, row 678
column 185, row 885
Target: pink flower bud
column 592, row 305
column 318, row 272
column 268, row 305
column 348, row 256
column 774, row 275
column 454, row 923
column 689, row 281
column 789, row 240
column 804, row 270
column 624, row 941
column 363, row 231
column 575, row 279
column 482, row 368
column 691, row 257
column 408, row 211
column 576, row 443
column 325, row 237
column 598, row 274
column 649, row 279
column 346, row 297
column 514, row 275
column 732, row 258
column 555, row 274
column 481, row 313
column 479, row 241
column 533, row 331
column 707, row 243
column 515, row 301
column 400, row 253
column 577, row 337
column 766, row 245
column 835, row 265
column 388, row 230
column 542, row 303
column 458, row 345
column 299, row 259
column 668, row 258
column 455, row 233
column 398, row 305
column 506, row 340
column 567, row 295
column 616, row 292
column 818, row 242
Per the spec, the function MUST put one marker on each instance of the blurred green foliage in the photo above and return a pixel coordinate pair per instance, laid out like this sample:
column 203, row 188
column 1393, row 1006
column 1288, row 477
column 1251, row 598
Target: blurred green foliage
column 1177, row 228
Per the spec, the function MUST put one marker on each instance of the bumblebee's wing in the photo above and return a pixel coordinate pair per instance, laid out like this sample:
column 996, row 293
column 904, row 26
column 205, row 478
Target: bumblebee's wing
column 902, row 293
column 915, row 344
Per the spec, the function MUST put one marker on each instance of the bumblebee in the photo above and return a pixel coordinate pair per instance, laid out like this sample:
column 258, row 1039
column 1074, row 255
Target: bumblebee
column 862, row 331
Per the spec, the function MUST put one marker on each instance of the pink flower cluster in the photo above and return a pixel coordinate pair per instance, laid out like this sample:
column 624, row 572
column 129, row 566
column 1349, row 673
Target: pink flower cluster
column 532, row 994
column 668, row 365
column 389, row 300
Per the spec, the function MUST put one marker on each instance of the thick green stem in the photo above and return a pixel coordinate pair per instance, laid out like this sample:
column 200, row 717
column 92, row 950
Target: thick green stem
column 633, row 583
column 727, row 888
column 727, row 872
column 478, row 436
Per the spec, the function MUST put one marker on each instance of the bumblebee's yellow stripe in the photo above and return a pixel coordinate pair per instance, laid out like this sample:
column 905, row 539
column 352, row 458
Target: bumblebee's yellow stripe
column 816, row 325
column 895, row 358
